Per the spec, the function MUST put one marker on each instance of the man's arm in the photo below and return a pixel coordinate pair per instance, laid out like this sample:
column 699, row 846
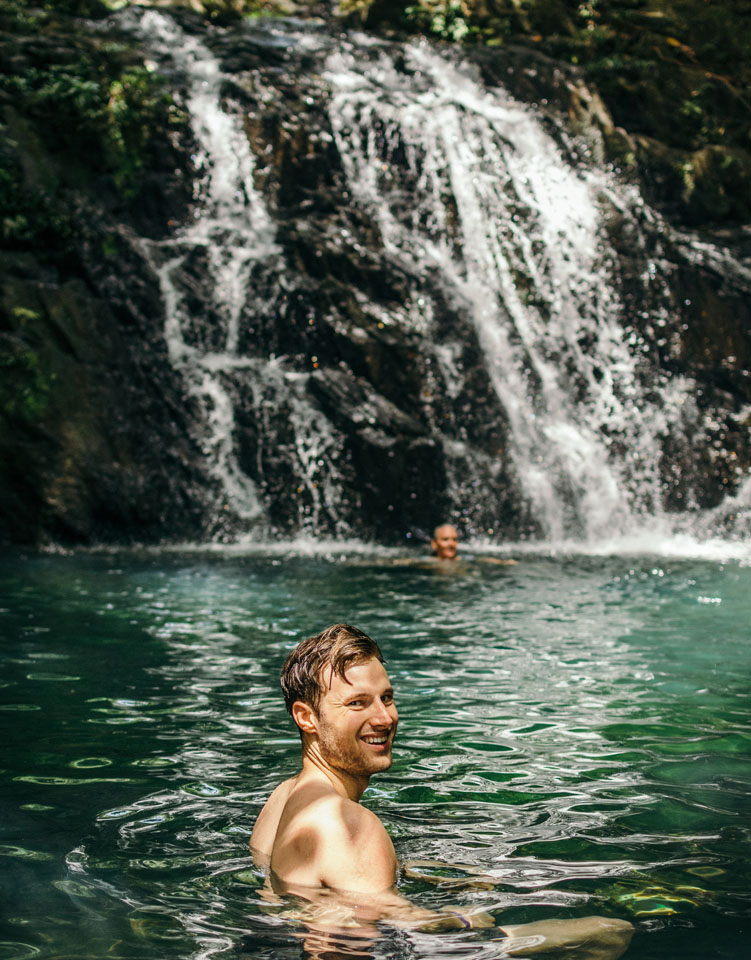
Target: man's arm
column 357, row 869
column 588, row 938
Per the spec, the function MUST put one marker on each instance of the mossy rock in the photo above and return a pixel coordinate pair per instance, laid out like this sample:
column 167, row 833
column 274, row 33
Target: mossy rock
column 712, row 184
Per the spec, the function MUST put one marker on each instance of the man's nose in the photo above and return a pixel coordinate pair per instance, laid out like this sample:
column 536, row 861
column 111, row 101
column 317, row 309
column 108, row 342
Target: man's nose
column 385, row 713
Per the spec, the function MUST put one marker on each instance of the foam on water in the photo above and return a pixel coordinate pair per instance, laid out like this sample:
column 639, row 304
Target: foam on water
column 645, row 545
column 250, row 544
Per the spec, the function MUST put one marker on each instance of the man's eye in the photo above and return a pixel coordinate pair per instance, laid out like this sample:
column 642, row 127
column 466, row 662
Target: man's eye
column 355, row 703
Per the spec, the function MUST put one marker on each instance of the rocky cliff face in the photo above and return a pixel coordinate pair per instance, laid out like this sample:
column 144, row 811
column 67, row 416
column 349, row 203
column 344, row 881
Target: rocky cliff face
column 351, row 324
column 95, row 441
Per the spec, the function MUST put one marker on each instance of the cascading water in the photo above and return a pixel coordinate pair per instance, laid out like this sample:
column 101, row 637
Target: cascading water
column 231, row 232
column 497, row 236
column 229, row 243
column 526, row 260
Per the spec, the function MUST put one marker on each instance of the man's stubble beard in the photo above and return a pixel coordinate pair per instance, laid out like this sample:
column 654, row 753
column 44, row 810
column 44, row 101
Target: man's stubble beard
column 346, row 757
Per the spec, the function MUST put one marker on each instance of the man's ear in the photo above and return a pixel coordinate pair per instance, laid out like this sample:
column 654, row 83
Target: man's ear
column 304, row 716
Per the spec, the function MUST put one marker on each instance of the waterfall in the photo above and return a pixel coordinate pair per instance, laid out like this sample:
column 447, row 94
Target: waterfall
column 228, row 245
column 497, row 231
column 528, row 260
column 230, row 233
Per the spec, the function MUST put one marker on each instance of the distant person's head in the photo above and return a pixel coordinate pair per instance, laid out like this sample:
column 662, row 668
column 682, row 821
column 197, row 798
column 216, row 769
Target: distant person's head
column 445, row 542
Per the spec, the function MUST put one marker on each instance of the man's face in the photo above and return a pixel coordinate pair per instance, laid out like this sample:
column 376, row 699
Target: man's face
column 445, row 543
column 357, row 720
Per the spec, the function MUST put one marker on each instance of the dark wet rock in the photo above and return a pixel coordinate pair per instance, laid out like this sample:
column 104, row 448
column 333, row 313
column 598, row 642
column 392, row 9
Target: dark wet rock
column 89, row 453
column 707, row 186
column 94, row 436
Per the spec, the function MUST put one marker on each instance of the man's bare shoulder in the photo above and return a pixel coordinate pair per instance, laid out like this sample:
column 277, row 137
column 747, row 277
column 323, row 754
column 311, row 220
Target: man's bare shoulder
column 345, row 819
column 325, row 839
column 281, row 792
column 360, row 855
column 357, row 819
column 316, row 805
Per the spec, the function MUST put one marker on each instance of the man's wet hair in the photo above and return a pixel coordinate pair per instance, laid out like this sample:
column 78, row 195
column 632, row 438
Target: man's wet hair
column 339, row 647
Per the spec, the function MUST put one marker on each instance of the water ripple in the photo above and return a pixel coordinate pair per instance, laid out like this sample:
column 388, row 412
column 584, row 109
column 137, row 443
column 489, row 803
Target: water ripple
column 574, row 738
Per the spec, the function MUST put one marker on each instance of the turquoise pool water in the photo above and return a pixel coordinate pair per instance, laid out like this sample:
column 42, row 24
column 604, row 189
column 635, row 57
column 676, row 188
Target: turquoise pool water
column 576, row 729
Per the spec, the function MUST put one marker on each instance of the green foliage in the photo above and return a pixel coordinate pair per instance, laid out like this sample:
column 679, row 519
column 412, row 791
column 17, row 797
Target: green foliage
column 24, row 390
column 68, row 91
column 137, row 100
column 223, row 11
column 117, row 107
column 76, row 8
column 655, row 62
column 28, row 216
column 263, row 8
column 110, row 247
column 17, row 15
column 442, row 18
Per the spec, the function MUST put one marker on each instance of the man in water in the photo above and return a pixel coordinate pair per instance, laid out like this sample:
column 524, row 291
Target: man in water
column 445, row 542
column 445, row 546
column 321, row 845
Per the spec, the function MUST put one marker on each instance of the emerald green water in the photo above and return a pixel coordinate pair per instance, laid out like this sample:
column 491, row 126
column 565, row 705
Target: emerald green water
column 576, row 729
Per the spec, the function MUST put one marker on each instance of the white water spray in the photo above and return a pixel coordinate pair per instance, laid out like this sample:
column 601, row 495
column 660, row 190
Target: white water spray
column 231, row 232
column 527, row 259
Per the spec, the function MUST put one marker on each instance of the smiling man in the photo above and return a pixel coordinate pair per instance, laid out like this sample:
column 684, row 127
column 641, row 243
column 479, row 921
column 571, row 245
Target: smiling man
column 313, row 828
column 313, row 834
column 445, row 542
column 321, row 845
